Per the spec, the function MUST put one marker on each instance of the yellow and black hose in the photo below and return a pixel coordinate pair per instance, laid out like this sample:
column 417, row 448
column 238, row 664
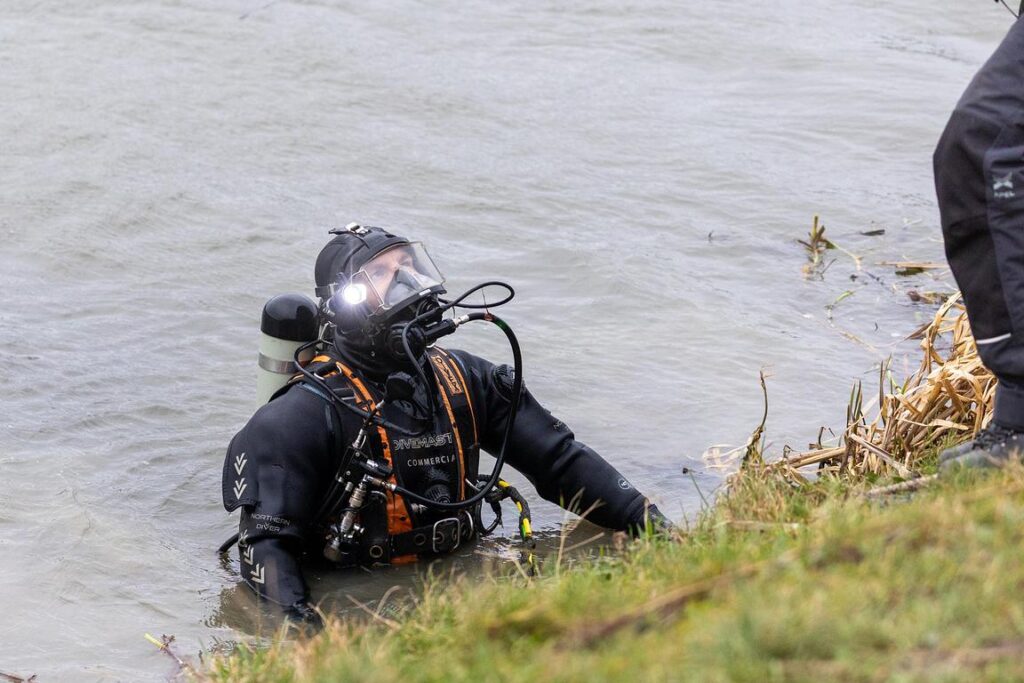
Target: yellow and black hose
column 502, row 490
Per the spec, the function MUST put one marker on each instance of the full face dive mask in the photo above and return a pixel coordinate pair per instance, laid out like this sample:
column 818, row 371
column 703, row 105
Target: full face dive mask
column 382, row 282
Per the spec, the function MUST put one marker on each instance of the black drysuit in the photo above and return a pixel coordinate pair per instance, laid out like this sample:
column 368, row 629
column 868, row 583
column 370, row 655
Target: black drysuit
column 979, row 179
column 279, row 466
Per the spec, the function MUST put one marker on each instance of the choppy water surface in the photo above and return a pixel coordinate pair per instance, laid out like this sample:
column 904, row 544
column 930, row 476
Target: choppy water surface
column 639, row 171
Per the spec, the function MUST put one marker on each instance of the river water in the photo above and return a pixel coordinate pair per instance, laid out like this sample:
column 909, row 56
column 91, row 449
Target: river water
column 639, row 171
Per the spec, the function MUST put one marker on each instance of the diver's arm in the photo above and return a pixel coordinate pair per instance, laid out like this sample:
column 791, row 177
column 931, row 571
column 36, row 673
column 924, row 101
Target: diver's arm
column 563, row 470
column 275, row 471
column 270, row 566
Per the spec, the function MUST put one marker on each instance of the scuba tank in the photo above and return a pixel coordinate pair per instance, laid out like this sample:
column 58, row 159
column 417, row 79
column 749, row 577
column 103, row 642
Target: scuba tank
column 288, row 322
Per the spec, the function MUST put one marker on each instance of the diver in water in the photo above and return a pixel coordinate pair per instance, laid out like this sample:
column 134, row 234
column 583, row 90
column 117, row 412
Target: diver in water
column 370, row 453
column 979, row 179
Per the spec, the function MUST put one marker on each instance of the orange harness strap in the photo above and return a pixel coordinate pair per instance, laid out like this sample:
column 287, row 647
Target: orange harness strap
column 399, row 520
column 464, row 390
column 455, row 431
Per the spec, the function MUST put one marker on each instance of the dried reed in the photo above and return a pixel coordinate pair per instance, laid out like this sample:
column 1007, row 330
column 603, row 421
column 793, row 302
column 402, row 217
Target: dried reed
column 949, row 398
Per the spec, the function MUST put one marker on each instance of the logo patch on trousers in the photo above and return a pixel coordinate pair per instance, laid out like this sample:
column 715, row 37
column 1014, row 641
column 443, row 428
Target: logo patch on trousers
column 1002, row 186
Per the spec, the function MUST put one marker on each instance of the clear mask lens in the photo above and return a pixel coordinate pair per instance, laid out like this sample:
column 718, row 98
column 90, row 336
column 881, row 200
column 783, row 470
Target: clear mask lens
column 393, row 278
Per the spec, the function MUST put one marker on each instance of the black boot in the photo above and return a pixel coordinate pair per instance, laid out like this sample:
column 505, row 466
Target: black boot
column 954, row 452
column 993, row 447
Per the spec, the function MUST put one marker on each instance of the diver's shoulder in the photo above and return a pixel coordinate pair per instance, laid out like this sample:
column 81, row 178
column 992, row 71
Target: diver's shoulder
column 484, row 377
column 289, row 410
column 470, row 361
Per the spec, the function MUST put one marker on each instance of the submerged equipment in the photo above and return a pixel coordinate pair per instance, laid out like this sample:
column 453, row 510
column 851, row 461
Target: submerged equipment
column 381, row 306
column 499, row 493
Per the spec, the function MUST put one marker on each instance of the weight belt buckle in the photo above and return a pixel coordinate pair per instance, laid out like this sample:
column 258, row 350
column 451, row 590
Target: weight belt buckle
column 447, row 535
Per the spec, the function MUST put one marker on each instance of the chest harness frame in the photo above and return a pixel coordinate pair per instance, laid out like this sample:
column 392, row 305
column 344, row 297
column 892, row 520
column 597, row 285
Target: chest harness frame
column 364, row 489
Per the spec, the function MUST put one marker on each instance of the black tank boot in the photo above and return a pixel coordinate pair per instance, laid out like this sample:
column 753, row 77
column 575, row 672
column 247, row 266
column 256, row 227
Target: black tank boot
column 993, row 447
column 954, row 452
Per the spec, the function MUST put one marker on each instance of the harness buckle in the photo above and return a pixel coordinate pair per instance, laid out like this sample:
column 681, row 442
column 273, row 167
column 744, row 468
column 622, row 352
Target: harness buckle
column 447, row 534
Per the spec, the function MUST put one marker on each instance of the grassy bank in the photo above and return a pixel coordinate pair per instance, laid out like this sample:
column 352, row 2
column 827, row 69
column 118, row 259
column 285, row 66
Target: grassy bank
column 778, row 583
column 788, row 577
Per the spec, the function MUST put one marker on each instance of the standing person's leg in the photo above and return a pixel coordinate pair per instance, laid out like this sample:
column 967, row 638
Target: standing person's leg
column 979, row 178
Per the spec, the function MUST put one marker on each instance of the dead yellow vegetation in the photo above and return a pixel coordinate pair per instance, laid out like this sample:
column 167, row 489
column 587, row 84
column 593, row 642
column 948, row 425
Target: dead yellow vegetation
column 949, row 398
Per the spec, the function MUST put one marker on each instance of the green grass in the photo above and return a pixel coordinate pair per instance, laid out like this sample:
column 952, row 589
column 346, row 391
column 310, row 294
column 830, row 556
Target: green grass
column 778, row 582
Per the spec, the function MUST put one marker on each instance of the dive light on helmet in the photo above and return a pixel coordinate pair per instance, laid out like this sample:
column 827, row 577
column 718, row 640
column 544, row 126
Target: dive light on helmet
column 288, row 322
column 354, row 293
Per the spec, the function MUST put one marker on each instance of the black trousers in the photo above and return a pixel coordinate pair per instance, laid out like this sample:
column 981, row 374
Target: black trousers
column 979, row 180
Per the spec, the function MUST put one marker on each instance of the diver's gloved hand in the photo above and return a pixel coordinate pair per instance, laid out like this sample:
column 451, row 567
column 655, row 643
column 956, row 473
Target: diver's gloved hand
column 651, row 519
column 302, row 615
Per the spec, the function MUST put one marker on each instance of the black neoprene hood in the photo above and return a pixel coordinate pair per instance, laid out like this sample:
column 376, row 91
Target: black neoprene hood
column 348, row 251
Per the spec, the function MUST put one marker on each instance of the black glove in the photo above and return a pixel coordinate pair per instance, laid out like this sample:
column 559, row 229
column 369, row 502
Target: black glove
column 651, row 518
column 303, row 617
